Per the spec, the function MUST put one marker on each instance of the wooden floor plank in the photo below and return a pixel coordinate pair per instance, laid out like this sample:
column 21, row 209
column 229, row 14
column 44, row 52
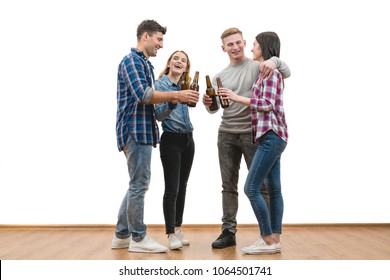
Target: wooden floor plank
column 359, row 242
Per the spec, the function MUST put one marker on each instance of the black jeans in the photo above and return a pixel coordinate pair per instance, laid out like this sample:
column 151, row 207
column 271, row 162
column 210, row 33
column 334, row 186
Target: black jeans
column 177, row 154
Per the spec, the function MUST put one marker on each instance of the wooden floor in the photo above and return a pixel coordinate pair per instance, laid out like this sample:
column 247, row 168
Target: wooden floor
column 299, row 242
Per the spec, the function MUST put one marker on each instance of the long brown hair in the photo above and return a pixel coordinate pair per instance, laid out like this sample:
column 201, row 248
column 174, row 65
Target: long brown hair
column 166, row 69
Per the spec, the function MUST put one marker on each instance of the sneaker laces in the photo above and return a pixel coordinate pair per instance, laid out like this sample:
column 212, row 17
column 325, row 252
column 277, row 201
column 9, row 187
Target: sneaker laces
column 259, row 243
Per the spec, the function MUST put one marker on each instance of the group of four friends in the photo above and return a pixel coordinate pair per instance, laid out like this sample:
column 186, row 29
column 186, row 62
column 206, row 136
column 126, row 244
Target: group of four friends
column 253, row 126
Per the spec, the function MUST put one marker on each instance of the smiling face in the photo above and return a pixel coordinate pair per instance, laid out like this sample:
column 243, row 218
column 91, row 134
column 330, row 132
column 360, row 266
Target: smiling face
column 178, row 63
column 153, row 43
column 256, row 50
column 234, row 46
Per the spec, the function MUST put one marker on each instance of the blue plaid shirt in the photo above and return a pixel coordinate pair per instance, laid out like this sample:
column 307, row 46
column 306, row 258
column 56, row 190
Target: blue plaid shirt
column 135, row 118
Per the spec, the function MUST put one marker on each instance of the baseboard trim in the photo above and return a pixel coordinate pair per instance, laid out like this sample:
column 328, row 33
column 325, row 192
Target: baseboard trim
column 157, row 226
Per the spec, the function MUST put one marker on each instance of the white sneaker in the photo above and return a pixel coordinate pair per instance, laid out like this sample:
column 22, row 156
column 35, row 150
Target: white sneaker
column 118, row 243
column 174, row 242
column 278, row 247
column 180, row 234
column 260, row 247
column 147, row 245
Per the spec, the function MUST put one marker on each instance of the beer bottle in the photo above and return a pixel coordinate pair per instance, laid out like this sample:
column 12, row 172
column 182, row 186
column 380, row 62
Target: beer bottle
column 211, row 92
column 183, row 81
column 194, row 86
column 224, row 102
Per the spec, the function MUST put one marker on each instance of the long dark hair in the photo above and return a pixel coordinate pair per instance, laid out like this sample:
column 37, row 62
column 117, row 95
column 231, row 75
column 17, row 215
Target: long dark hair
column 269, row 43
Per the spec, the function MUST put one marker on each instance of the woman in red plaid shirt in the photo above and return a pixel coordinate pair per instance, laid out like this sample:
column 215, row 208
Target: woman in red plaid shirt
column 269, row 130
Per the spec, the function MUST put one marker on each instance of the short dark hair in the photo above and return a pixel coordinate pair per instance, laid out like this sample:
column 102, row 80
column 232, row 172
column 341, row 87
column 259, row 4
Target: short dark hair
column 269, row 43
column 151, row 26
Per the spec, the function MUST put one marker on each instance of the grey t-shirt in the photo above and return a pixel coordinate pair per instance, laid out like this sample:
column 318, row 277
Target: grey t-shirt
column 239, row 78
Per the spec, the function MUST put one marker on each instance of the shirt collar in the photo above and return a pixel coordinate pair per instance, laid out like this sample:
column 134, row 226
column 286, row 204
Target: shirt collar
column 167, row 80
column 141, row 54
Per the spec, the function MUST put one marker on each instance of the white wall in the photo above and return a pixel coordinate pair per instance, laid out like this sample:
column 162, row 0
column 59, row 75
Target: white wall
column 58, row 60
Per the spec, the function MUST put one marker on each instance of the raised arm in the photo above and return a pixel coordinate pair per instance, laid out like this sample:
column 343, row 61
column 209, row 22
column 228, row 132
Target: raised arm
column 268, row 66
column 282, row 67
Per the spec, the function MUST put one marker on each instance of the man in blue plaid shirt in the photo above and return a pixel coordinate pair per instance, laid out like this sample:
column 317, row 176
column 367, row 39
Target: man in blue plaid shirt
column 137, row 133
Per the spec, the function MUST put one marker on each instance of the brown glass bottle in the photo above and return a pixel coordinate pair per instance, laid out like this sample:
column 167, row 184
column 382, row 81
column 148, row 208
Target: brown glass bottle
column 194, row 86
column 224, row 102
column 184, row 84
column 211, row 92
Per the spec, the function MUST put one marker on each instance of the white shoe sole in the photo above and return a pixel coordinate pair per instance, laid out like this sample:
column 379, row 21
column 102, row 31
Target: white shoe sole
column 124, row 246
column 262, row 252
column 140, row 250
column 178, row 246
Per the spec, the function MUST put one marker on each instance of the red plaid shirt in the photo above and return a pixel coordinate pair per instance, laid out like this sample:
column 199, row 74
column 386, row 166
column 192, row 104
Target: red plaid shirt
column 267, row 107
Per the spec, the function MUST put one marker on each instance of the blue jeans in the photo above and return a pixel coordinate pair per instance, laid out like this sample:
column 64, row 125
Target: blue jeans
column 131, row 212
column 231, row 148
column 266, row 164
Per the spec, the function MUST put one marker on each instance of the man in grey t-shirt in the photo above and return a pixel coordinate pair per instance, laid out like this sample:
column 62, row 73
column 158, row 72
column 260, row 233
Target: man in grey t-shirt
column 234, row 134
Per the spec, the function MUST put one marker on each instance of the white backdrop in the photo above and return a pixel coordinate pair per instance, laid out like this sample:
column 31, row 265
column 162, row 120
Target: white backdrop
column 58, row 63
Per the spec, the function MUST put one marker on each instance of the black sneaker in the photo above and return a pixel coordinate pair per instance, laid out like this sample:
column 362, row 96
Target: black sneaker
column 226, row 239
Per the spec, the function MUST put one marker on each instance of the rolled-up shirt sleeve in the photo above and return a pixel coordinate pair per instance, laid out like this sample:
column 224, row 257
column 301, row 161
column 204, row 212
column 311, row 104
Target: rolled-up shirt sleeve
column 147, row 95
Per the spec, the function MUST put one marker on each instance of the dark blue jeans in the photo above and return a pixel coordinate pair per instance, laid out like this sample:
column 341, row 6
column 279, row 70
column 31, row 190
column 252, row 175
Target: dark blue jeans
column 266, row 164
column 177, row 154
